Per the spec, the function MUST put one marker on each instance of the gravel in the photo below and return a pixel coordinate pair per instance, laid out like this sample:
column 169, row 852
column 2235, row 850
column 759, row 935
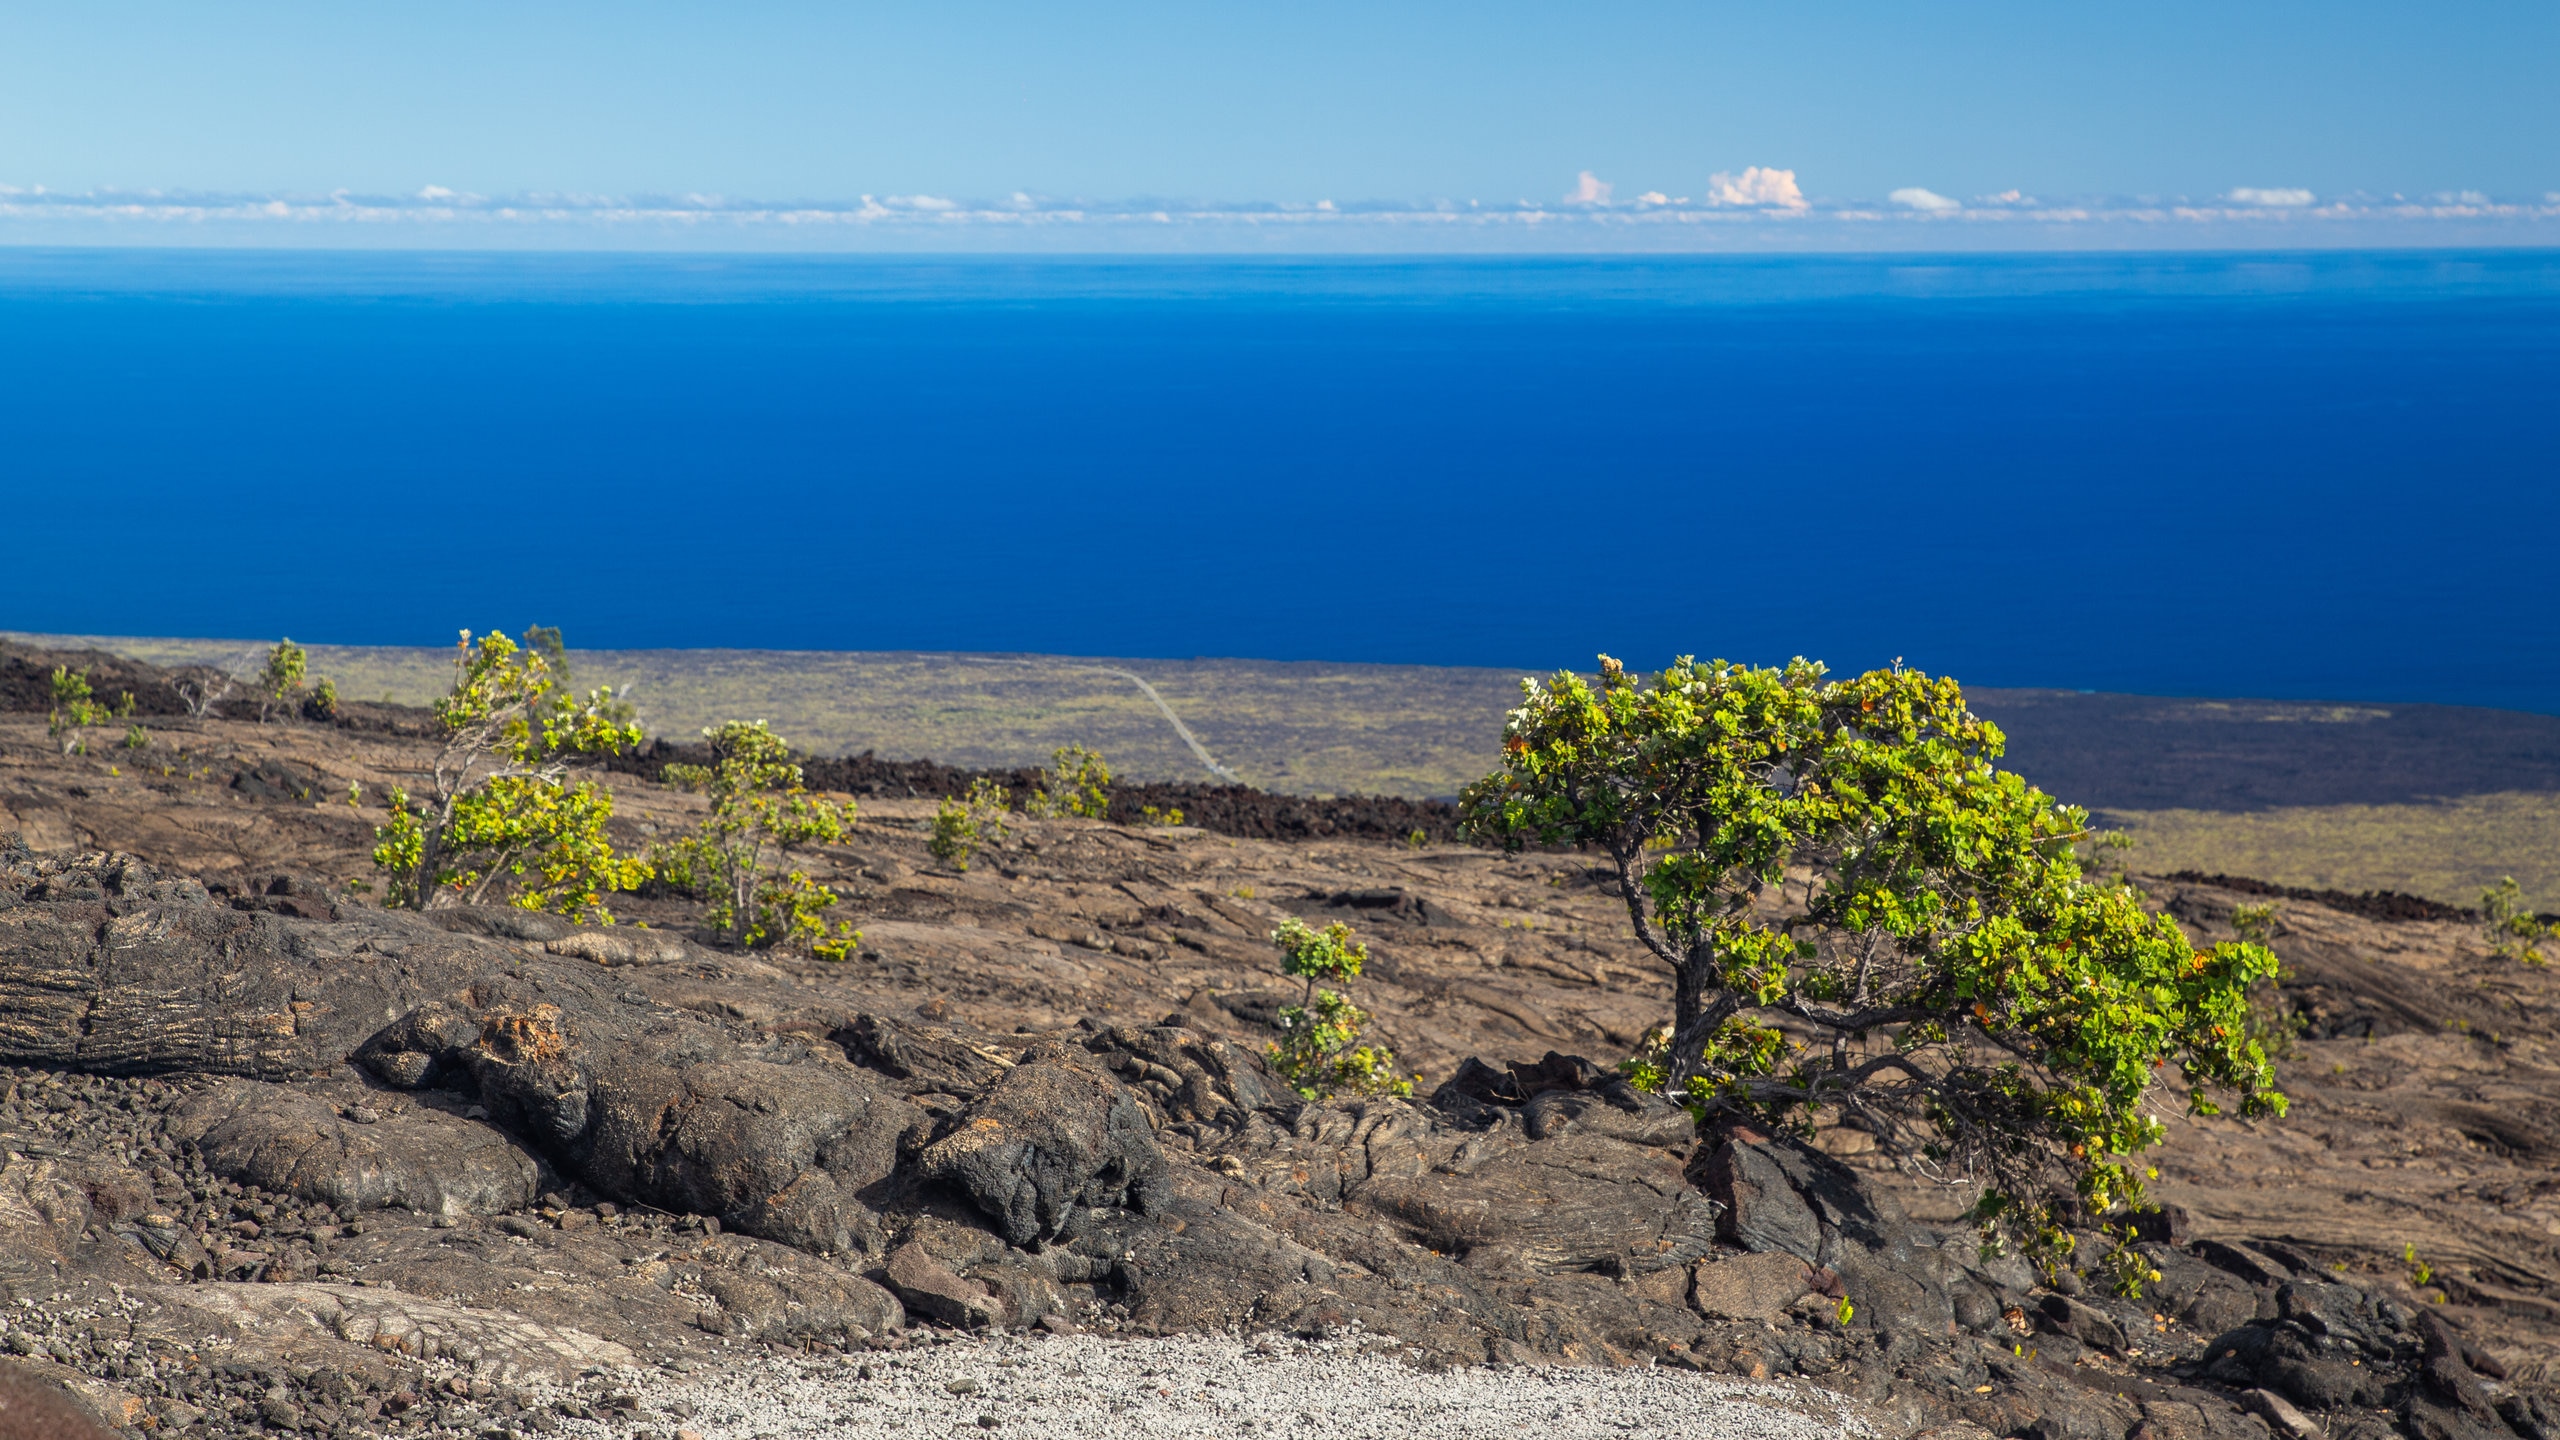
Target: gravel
column 1192, row 1387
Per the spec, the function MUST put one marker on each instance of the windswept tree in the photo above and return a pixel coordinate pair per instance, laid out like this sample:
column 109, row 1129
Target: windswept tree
column 500, row 818
column 1859, row 910
column 760, row 812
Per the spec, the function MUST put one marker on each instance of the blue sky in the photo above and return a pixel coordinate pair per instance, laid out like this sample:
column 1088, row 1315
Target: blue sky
column 143, row 119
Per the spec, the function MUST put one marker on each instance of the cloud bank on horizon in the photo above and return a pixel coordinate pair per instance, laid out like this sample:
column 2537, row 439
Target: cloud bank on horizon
column 1157, row 124
column 1758, row 207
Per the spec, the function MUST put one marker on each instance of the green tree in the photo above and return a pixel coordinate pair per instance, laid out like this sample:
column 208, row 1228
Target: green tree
column 1319, row 1050
column 760, row 811
column 75, row 709
column 280, row 681
column 1077, row 782
column 500, row 814
column 1860, row 911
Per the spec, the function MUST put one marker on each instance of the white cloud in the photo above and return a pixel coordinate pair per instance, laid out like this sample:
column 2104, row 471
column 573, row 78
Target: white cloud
column 1590, row 189
column 1756, row 186
column 2461, row 197
column 1748, row 209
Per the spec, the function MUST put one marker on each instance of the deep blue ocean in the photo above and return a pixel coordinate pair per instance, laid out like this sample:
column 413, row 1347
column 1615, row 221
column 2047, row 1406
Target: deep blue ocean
column 2316, row 475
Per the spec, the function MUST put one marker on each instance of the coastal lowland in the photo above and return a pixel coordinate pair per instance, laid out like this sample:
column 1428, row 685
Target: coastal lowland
column 2433, row 800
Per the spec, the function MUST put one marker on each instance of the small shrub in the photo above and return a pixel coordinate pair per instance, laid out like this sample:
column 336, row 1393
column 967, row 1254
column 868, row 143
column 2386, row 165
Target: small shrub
column 499, row 816
column 75, row 709
column 280, row 681
column 1153, row 816
column 1077, row 782
column 963, row 823
column 2254, row 923
column 1319, row 1051
column 2513, row 931
column 792, row 913
column 322, row 704
column 759, row 812
column 136, row 738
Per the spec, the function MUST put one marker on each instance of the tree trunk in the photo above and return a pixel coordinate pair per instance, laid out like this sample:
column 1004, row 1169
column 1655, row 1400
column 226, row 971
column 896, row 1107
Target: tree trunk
column 1690, row 982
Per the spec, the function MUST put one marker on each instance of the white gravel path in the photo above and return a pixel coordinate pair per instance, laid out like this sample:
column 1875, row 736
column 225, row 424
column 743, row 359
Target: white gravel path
column 1196, row 1387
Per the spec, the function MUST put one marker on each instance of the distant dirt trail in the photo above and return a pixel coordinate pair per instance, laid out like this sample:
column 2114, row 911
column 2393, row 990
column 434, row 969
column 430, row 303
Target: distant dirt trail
column 1197, row 749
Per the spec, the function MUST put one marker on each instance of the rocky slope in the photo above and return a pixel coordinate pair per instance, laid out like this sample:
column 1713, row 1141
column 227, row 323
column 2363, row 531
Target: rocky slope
column 281, row 1160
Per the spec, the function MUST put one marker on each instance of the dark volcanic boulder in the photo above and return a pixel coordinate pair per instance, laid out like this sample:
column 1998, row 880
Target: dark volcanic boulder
column 656, row 1106
column 1784, row 1197
column 782, row 1151
column 1763, row 1212
column 1188, row 1075
column 930, row 1287
column 105, row 966
column 408, row 1156
column 1055, row 1136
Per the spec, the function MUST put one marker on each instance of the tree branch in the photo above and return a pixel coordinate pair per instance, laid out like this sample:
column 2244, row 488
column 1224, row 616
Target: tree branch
column 1633, row 893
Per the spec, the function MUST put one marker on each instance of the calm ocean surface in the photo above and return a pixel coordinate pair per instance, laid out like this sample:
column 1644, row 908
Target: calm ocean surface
column 2331, row 475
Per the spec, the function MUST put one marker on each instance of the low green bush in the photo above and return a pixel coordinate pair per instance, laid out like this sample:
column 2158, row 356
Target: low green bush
column 1319, row 1051
column 1077, row 782
column 499, row 818
column 760, row 812
column 963, row 823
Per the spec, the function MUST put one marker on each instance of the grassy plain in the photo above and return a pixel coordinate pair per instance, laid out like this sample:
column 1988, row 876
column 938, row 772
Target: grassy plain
column 2450, row 850
column 1299, row 727
column 2240, row 798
